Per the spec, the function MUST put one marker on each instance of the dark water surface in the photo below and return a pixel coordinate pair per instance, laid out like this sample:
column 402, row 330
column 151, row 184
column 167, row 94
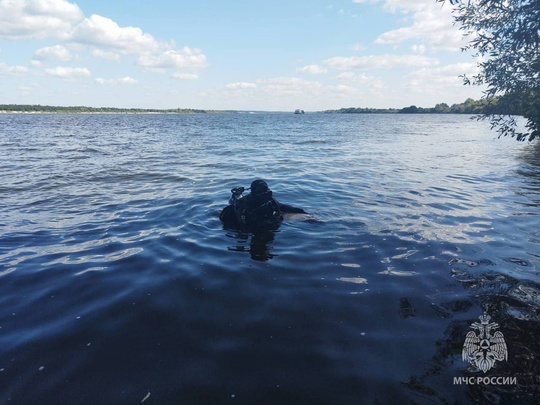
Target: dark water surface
column 119, row 285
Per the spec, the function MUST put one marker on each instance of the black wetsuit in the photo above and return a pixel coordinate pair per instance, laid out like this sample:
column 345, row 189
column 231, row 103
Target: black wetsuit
column 256, row 212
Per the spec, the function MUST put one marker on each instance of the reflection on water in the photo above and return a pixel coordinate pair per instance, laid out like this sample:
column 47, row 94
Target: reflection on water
column 260, row 243
column 118, row 280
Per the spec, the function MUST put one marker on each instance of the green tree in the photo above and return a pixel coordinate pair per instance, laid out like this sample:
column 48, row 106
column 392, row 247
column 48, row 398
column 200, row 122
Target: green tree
column 410, row 110
column 441, row 108
column 506, row 35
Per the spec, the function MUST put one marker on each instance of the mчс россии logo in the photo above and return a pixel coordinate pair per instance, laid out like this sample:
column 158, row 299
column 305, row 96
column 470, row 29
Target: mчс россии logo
column 484, row 345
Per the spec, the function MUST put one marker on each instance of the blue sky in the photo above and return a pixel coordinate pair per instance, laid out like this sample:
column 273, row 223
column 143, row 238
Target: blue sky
column 249, row 55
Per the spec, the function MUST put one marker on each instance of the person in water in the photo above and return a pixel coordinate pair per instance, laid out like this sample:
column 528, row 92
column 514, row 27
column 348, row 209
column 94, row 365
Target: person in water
column 257, row 210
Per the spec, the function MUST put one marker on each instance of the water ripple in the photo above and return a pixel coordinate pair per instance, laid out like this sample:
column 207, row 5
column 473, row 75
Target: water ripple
column 118, row 279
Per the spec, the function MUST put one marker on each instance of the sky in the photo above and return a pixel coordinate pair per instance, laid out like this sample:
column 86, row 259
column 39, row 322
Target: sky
column 272, row 55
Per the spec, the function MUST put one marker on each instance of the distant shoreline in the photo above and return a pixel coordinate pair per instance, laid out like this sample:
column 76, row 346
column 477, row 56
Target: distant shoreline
column 470, row 106
column 105, row 112
column 46, row 109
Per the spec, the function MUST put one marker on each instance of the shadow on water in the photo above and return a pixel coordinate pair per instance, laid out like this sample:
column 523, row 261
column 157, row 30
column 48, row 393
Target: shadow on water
column 530, row 171
column 515, row 306
column 512, row 301
column 531, row 156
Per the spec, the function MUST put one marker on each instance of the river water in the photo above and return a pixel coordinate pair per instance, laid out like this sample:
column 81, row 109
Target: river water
column 119, row 284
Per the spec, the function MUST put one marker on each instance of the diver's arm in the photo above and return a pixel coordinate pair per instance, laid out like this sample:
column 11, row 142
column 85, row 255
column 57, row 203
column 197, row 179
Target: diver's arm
column 290, row 209
column 228, row 216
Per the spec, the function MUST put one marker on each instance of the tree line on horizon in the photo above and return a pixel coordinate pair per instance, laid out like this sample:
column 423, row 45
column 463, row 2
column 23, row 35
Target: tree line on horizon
column 469, row 106
column 95, row 110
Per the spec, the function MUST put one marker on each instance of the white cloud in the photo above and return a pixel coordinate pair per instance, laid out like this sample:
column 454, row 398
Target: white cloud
column 420, row 49
column 361, row 78
column 240, row 85
column 56, row 52
column 8, row 70
column 103, row 32
column 102, row 54
column 176, row 59
column 371, row 83
column 358, row 47
column 101, row 36
column 185, row 76
column 341, row 88
column 37, row 19
column 431, row 23
column 287, row 93
column 109, row 40
column 443, row 80
column 352, row 77
column 28, row 89
column 68, row 73
column 288, row 86
column 444, row 74
column 127, row 80
column 312, row 69
column 387, row 61
column 123, row 80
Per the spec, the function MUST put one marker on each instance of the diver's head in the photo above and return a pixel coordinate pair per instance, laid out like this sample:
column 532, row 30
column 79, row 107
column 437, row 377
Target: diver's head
column 259, row 187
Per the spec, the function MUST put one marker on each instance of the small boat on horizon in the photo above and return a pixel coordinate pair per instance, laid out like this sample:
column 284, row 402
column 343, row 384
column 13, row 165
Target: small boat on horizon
column 299, row 111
